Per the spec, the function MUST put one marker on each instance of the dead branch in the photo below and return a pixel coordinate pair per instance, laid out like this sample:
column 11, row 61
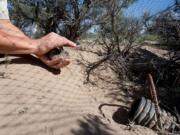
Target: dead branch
column 94, row 65
column 154, row 98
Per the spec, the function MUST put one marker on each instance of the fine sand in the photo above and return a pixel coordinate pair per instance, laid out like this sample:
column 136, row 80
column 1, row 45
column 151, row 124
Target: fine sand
column 34, row 100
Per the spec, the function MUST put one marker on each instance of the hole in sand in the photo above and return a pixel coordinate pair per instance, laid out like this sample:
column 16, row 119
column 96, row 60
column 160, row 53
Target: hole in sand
column 121, row 115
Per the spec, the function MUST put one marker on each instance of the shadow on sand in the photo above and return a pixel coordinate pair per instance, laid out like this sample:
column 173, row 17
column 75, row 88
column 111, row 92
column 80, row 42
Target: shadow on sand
column 29, row 59
column 92, row 125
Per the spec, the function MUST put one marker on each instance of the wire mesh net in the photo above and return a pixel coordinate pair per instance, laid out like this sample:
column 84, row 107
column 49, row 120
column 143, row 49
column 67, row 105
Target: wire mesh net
column 32, row 97
column 37, row 100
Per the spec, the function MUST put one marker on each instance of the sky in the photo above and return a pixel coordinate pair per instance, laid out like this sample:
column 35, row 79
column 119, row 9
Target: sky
column 153, row 6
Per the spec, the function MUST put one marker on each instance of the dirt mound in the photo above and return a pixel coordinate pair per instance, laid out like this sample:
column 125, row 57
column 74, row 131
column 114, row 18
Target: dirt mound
column 34, row 100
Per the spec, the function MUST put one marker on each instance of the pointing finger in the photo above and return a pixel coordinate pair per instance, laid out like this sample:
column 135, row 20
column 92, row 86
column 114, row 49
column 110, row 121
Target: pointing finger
column 69, row 43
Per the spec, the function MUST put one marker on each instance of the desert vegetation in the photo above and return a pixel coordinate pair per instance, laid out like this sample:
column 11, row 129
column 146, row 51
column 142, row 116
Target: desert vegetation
column 120, row 38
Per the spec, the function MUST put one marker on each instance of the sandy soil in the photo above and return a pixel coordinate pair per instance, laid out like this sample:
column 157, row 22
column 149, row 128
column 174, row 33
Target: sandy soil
column 35, row 101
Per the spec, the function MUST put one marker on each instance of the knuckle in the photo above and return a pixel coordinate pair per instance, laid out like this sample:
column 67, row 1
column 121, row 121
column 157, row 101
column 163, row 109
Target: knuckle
column 56, row 67
column 52, row 35
column 48, row 62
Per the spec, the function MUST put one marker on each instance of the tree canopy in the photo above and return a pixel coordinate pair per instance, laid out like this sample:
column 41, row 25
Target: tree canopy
column 70, row 18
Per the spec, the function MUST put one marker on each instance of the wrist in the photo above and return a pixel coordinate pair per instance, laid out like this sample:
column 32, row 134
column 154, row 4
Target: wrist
column 34, row 45
column 26, row 45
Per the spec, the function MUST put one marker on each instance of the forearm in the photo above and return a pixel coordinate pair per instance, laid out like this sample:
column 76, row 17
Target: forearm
column 16, row 45
column 13, row 41
column 7, row 27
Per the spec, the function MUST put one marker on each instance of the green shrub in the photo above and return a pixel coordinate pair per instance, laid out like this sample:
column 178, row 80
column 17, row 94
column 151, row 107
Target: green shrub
column 143, row 38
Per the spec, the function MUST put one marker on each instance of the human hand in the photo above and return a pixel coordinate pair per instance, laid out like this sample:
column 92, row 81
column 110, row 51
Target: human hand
column 49, row 42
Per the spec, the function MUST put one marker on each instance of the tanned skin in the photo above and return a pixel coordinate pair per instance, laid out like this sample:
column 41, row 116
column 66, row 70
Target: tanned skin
column 14, row 41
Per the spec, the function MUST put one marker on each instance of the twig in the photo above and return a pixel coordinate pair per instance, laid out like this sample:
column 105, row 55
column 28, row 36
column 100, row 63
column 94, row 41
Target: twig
column 95, row 65
column 154, row 98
